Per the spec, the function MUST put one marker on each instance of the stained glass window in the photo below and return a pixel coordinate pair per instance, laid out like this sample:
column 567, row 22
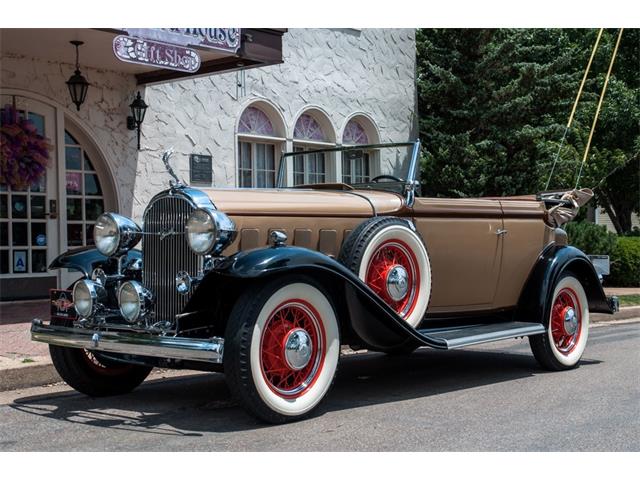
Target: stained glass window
column 307, row 128
column 354, row 134
column 255, row 121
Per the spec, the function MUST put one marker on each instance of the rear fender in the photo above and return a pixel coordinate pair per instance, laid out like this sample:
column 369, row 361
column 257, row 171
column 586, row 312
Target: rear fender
column 535, row 300
column 362, row 314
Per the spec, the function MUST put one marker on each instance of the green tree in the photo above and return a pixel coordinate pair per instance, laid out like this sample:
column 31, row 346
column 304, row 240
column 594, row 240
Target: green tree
column 494, row 103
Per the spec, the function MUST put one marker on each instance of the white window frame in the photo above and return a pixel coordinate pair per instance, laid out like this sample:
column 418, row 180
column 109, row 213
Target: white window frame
column 254, row 141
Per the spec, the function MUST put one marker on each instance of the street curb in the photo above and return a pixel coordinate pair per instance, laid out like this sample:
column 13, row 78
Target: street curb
column 28, row 375
column 40, row 374
column 623, row 314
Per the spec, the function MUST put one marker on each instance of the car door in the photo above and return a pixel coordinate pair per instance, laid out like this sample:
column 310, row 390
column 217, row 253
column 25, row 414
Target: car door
column 464, row 241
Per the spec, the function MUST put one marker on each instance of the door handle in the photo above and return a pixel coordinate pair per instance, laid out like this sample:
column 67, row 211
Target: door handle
column 501, row 231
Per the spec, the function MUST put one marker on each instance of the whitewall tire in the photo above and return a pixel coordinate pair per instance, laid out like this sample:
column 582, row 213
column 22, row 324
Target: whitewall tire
column 391, row 258
column 565, row 340
column 282, row 347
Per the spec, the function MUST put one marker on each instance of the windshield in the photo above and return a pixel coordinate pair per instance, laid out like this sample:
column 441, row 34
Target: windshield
column 385, row 167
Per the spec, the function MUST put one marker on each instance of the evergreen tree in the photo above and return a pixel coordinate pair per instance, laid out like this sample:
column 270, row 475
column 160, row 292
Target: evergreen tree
column 494, row 104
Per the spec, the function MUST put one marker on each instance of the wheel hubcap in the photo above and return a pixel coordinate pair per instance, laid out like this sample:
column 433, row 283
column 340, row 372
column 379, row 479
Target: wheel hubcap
column 292, row 348
column 297, row 349
column 566, row 321
column 397, row 282
column 570, row 321
column 393, row 274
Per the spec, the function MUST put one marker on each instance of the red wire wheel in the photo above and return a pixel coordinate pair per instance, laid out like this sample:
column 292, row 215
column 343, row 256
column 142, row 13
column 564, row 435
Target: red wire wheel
column 99, row 367
column 566, row 321
column 290, row 372
column 384, row 262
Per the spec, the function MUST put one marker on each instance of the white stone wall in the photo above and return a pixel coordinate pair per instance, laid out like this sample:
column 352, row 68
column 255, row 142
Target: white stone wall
column 102, row 116
column 341, row 71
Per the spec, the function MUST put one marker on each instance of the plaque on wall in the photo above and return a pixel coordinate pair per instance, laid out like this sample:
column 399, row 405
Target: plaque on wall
column 200, row 169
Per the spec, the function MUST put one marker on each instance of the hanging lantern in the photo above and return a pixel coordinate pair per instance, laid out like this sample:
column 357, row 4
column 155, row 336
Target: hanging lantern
column 77, row 84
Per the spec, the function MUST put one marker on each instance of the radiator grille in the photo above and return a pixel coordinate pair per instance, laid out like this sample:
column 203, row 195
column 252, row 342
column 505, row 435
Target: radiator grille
column 165, row 252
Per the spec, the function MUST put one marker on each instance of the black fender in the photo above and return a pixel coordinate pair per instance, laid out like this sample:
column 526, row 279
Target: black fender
column 366, row 316
column 535, row 300
column 85, row 259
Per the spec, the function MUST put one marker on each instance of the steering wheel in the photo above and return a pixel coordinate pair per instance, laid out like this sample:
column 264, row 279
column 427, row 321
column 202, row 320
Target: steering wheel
column 386, row 177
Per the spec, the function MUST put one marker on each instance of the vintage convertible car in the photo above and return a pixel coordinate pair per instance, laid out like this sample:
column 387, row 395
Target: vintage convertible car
column 267, row 284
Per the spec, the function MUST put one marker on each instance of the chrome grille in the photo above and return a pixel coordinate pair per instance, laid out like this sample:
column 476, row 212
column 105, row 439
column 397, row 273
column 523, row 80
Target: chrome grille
column 165, row 252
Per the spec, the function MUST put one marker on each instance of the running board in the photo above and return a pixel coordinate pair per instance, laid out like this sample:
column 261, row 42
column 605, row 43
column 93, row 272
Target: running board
column 474, row 334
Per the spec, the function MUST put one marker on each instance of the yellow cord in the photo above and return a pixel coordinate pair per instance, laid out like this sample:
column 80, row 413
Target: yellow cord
column 595, row 118
column 584, row 78
column 575, row 105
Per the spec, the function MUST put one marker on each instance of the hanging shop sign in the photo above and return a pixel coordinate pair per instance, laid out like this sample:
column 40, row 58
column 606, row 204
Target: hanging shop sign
column 157, row 54
column 224, row 39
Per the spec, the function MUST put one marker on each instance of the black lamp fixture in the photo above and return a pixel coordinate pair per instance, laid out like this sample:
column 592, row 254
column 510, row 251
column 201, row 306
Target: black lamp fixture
column 138, row 110
column 78, row 85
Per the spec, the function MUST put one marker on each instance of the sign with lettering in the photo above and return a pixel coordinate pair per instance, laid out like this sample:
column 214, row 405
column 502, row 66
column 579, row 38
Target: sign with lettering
column 157, row 54
column 201, row 169
column 19, row 261
column 225, row 39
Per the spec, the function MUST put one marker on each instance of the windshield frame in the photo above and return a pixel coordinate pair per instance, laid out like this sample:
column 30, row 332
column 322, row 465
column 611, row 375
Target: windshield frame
column 410, row 182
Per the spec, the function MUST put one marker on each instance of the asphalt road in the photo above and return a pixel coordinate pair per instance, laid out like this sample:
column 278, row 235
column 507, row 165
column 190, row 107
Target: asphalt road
column 488, row 398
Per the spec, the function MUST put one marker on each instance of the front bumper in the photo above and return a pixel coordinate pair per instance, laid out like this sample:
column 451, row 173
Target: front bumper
column 182, row 348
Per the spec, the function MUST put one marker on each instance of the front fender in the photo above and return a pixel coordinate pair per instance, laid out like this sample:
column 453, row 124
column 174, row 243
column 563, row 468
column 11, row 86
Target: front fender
column 85, row 259
column 373, row 322
column 535, row 300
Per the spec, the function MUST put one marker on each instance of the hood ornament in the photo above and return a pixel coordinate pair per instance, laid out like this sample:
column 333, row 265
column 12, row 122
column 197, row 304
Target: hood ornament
column 175, row 183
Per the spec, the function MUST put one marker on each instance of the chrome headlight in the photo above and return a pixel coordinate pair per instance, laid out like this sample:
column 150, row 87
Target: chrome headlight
column 87, row 297
column 209, row 231
column 134, row 301
column 114, row 234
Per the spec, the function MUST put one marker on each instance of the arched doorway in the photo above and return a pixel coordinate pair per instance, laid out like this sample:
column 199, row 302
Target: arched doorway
column 56, row 211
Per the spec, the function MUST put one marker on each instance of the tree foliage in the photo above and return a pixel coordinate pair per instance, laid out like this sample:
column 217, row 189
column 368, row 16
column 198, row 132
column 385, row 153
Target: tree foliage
column 494, row 104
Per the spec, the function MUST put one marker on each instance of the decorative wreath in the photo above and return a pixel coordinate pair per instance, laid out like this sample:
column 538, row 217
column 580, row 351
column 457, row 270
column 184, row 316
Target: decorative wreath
column 24, row 153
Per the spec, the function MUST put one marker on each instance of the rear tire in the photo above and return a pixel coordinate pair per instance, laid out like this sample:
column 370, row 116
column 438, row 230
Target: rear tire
column 564, row 342
column 94, row 375
column 273, row 379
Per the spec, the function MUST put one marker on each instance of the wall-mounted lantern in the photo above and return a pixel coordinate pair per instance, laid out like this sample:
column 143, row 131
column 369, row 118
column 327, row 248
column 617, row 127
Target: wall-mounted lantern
column 138, row 111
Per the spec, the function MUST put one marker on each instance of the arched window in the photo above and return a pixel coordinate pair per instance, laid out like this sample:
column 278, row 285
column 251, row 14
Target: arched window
column 354, row 134
column 84, row 196
column 310, row 134
column 356, row 164
column 258, row 149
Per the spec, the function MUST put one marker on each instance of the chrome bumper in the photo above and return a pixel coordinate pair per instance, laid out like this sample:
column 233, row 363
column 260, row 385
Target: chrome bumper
column 183, row 348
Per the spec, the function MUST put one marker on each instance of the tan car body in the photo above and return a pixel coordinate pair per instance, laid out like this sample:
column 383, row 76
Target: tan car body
column 481, row 250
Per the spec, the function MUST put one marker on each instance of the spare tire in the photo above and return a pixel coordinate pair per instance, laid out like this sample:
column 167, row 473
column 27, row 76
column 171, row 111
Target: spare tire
column 389, row 255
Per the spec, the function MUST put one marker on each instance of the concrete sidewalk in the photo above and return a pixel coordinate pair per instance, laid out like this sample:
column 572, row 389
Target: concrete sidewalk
column 24, row 363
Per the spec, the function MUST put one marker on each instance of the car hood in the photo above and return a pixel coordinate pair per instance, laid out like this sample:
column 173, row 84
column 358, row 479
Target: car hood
column 304, row 202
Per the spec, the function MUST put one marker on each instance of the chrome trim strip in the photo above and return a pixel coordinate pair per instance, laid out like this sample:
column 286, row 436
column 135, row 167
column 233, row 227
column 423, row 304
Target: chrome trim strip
column 182, row 348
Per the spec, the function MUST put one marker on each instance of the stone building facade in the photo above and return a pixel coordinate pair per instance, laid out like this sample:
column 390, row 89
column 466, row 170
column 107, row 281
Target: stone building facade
column 332, row 75
column 334, row 87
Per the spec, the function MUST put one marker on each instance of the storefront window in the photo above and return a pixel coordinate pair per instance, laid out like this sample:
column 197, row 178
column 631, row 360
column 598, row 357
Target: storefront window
column 85, row 202
column 23, row 227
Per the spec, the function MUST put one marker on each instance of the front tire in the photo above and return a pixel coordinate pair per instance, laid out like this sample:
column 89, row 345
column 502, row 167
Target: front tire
column 562, row 346
column 93, row 375
column 282, row 345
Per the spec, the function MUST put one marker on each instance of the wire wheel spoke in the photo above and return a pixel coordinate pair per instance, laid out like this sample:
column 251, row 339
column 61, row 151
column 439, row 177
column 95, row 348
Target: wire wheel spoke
column 283, row 379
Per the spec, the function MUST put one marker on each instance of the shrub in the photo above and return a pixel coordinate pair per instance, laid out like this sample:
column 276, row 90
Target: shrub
column 592, row 239
column 625, row 263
